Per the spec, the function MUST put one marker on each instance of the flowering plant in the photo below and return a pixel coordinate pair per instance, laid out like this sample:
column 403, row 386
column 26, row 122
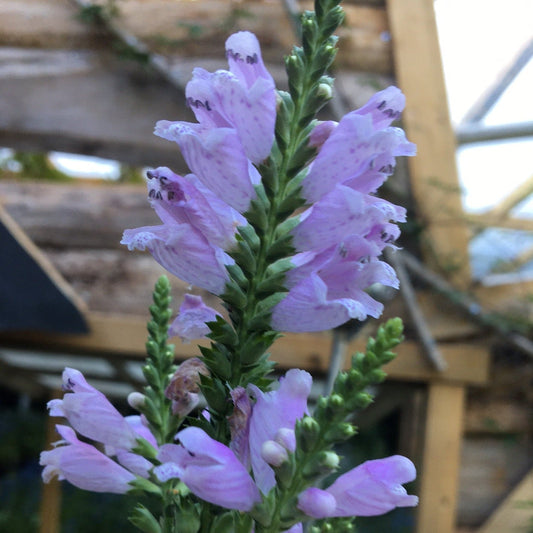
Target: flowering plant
column 280, row 220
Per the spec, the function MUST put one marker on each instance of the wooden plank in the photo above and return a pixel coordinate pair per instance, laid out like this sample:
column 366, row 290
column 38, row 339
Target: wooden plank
column 182, row 28
column 121, row 335
column 515, row 512
column 481, row 221
column 77, row 216
column 43, row 23
column 426, row 119
column 439, row 474
column 517, row 195
column 121, row 105
column 50, row 506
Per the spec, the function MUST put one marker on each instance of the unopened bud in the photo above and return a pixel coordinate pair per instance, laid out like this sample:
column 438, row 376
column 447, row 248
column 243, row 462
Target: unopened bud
column 136, row 400
column 310, row 430
column 325, row 91
column 330, row 460
column 287, row 438
column 274, row 453
column 336, row 403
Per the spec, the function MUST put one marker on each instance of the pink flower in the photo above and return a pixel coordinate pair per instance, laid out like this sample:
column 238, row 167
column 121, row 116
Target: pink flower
column 91, row 414
column 191, row 322
column 236, row 111
column 271, row 412
column 83, row 465
column 209, row 469
column 371, row 489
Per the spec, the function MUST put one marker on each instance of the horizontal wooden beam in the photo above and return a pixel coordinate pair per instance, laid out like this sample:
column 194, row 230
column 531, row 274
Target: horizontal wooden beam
column 124, row 336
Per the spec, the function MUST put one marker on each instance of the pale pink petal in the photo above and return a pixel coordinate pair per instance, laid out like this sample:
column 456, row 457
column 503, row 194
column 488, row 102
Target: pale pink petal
column 317, row 503
column 374, row 488
column 191, row 322
column 84, row 466
column 272, row 411
column 184, row 252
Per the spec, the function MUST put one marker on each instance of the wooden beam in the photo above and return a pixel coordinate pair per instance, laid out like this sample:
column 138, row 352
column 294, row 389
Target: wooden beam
column 481, row 221
column 50, row 506
column 439, row 473
column 125, row 336
column 121, row 104
column 434, row 180
column 514, row 514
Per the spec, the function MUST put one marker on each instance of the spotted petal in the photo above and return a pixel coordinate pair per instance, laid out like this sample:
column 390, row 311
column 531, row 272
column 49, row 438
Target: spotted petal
column 184, row 252
column 216, row 156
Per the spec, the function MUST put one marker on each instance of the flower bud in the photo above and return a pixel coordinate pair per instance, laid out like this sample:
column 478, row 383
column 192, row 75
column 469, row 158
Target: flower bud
column 136, row 400
column 325, row 91
column 316, row 503
column 309, row 431
column 340, row 432
column 287, row 438
column 274, row 453
column 322, row 463
column 336, row 403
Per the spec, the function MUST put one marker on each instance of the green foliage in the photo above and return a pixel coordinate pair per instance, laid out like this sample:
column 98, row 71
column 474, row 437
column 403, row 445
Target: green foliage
column 159, row 367
column 33, row 165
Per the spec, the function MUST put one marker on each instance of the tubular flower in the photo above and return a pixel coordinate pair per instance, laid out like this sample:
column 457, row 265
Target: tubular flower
column 191, row 322
column 236, row 113
column 83, row 465
column 271, row 412
column 362, row 141
column 90, row 413
column 196, row 228
column 371, row 489
column 219, row 474
column 328, row 288
column 209, row 469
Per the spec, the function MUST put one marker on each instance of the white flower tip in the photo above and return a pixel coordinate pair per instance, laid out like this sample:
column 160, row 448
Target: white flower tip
column 273, row 453
column 136, row 400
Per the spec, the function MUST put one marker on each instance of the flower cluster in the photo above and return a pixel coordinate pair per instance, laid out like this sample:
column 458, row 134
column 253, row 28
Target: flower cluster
column 337, row 240
column 263, row 434
column 91, row 414
column 279, row 218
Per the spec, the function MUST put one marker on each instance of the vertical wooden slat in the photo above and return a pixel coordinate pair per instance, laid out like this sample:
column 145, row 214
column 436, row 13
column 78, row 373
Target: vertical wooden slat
column 439, row 474
column 50, row 509
column 434, row 179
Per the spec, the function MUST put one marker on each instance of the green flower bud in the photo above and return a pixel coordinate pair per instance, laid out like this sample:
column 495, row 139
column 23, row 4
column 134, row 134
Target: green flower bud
column 143, row 519
column 361, row 400
column 309, row 432
column 340, row 432
column 336, row 403
column 320, row 464
column 325, row 91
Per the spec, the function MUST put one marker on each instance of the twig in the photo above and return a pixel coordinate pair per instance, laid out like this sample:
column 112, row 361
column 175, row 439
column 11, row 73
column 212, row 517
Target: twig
column 336, row 358
column 409, row 296
column 467, row 303
column 158, row 62
column 478, row 111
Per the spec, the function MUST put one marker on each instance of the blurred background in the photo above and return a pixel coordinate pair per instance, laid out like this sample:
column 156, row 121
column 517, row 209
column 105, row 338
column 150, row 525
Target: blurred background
column 82, row 84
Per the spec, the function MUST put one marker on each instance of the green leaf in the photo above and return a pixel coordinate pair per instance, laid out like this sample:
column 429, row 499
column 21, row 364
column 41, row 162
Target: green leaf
column 143, row 519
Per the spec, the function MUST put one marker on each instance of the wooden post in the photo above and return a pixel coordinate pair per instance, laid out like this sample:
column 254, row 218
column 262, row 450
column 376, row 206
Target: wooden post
column 434, row 180
column 50, row 509
column 439, row 474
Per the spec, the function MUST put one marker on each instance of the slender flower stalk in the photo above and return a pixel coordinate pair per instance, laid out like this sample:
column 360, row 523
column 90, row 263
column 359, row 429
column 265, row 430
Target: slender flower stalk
column 279, row 218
